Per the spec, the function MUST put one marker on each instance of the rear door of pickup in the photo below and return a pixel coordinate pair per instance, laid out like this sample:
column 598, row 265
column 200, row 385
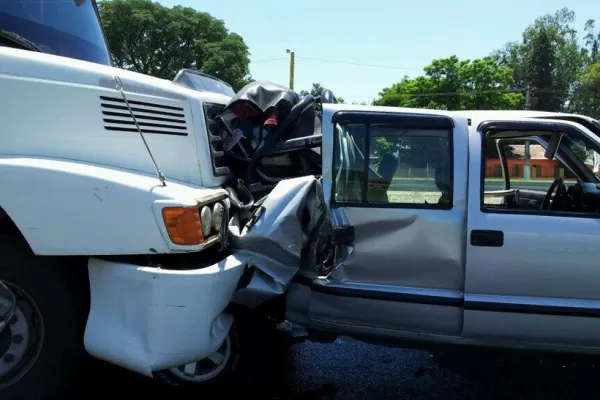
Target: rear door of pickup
column 394, row 183
column 532, row 274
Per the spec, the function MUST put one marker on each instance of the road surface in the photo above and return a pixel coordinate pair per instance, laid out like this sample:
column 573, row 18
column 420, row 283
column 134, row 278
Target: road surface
column 348, row 369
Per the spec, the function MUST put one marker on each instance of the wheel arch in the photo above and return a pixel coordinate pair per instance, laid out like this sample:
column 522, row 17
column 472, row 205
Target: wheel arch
column 79, row 280
column 9, row 227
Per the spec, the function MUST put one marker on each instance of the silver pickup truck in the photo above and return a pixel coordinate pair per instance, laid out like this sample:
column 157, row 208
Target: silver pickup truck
column 479, row 254
column 467, row 228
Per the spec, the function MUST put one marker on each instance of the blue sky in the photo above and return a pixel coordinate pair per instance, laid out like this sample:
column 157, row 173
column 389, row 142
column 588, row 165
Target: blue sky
column 401, row 35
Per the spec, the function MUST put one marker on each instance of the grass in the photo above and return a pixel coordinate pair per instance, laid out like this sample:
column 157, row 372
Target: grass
column 413, row 197
column 395, row 196
column 428, row 184
column 487, row 179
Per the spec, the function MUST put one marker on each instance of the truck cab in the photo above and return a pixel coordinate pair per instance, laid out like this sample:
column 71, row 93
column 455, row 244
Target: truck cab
column 110, row 213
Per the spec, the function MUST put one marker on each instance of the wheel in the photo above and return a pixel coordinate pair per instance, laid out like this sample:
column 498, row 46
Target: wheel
column 234, row 367
column 41, row 346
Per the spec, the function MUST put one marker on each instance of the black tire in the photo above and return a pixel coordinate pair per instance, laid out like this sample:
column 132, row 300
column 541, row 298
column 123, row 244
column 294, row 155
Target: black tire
column 252, row 345
column 58, row 294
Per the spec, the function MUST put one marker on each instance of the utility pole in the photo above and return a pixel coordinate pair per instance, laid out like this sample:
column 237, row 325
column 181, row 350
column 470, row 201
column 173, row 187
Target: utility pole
column 527, row 167
column 527, row 164
column 292, row 65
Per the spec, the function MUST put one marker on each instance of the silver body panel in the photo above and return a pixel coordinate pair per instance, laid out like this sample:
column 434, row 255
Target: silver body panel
column 412, row 274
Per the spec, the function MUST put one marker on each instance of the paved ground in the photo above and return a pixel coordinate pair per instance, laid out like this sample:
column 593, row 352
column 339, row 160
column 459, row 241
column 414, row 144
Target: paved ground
column 348, row 369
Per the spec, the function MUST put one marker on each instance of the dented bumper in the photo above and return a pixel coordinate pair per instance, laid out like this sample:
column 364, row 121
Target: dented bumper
column 149, row 319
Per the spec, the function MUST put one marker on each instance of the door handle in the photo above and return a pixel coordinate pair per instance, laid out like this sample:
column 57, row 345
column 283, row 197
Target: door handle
column 487, row 238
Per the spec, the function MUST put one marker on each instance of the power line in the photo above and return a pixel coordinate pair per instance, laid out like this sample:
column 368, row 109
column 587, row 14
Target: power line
column 477, row 92
column 340, row 62
column 358, row 64
column 269, row 60
column 461, row 92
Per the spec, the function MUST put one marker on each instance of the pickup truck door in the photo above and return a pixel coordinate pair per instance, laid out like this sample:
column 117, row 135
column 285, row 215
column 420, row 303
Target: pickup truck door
column 393, row 183
column 531, row 276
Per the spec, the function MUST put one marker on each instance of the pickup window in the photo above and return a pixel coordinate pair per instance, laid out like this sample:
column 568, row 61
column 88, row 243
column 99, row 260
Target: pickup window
column 406, row 168
column 550, row 173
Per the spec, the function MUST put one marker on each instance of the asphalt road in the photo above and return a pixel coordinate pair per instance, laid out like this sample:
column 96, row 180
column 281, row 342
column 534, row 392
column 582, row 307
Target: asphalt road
column 348, row 369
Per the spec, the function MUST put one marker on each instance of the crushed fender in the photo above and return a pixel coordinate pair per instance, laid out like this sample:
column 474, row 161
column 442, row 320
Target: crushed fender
column 277, row 239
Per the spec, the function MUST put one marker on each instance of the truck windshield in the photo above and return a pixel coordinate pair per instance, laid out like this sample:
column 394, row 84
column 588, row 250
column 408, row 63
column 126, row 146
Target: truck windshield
column 68, row 28
column 203, row 82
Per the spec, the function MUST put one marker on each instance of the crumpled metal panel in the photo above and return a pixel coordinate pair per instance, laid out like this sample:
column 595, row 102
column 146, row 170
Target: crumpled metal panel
column 274, row 243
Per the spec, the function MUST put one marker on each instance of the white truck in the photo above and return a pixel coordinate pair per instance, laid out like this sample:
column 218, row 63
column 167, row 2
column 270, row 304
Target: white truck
column 167, row 229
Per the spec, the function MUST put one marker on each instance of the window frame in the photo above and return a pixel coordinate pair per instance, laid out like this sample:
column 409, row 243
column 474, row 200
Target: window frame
column 551, row 127
column 404, row 121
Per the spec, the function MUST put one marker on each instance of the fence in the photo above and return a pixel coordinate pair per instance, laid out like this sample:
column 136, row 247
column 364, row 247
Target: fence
column 537, row 172
column 515, row 171
column 415, row 173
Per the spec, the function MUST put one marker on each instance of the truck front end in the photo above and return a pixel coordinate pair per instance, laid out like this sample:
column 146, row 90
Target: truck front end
column 112, row 172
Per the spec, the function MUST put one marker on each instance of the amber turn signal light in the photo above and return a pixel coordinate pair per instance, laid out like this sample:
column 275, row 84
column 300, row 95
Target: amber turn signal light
column 183, row 225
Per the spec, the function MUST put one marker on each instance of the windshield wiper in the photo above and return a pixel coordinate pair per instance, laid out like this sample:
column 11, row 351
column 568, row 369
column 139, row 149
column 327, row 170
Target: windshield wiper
column 15, row 38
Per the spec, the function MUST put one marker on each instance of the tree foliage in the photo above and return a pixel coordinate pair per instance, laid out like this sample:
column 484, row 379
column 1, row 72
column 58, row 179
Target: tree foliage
column 547, row 60
column 147, row 37
column 552, row 62
column 453, row 84
column 316, row 90
column 585, row 98
column 587, row 84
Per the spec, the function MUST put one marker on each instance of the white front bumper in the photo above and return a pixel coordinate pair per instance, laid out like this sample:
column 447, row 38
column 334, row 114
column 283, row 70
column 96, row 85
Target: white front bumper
column 148, row 319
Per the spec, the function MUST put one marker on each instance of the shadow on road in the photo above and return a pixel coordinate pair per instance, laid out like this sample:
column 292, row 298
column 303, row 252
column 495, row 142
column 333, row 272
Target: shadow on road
column 519, row 375
column 348, row 369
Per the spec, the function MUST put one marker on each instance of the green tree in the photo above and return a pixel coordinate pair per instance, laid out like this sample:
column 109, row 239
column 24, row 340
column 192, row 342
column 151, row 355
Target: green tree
column 592, row 40
column 587, row 85
column 541, row 72
column 448, row 84
column 548, row 59
column 454, row 84
column 316, row 90
column 147, row 37
column 585, row 98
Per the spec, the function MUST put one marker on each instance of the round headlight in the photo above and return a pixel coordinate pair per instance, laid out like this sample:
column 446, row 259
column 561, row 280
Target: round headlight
column 218, row 212
column 206, row 219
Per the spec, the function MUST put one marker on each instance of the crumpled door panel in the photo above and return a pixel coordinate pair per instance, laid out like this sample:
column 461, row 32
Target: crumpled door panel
column 274, row 242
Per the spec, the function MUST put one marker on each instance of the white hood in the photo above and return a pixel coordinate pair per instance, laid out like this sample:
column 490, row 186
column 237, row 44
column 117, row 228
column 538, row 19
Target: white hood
column 64, row 108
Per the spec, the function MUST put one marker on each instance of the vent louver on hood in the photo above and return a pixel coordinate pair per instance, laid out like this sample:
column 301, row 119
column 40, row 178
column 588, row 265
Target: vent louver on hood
column 151, row 117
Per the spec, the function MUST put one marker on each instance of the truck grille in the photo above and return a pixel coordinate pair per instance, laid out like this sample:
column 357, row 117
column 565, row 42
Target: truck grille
column 216, row 138
column 151, row 117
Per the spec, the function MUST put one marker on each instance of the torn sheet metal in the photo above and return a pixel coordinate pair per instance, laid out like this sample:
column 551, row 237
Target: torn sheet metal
column 273, row 242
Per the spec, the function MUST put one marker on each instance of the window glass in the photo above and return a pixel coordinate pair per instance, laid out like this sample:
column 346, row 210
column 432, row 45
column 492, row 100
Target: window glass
column 533, row 179
column 585, row 150
column 404, row 167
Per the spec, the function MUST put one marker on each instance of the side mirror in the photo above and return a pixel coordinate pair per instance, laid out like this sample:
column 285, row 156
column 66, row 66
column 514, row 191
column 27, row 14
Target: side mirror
column 327, row 96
